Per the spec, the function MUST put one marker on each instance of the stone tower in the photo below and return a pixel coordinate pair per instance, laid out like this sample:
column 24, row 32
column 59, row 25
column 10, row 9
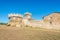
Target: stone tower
column 27, row 15
column 15, row 20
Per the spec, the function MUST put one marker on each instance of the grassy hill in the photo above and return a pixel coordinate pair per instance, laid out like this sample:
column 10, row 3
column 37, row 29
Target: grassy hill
column 13, row 33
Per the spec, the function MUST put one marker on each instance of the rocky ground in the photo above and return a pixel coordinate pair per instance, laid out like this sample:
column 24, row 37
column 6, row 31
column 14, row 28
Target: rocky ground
column 15, row 33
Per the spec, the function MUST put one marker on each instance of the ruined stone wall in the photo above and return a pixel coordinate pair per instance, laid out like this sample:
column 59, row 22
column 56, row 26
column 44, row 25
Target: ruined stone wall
column 55, row 19
column 15, row 22
column 49, row 21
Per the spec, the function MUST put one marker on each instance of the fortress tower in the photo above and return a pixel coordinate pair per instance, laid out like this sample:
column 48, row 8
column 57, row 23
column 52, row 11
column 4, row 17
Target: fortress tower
column 15, row 20
column 27, row 15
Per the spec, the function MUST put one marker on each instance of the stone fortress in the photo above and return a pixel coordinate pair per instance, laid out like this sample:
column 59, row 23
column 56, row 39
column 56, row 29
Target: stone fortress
column 49, row 21
column 17, row 20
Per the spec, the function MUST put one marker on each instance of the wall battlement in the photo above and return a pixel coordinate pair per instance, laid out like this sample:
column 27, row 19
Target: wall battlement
column 10, row 15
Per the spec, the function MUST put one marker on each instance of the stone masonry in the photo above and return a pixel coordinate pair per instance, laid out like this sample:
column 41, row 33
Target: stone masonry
column 17, row 20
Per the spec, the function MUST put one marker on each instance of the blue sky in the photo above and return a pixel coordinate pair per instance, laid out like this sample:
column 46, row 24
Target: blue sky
column 38, row 8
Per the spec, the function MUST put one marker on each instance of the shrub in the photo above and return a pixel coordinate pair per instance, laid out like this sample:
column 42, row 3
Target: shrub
column 3, row 23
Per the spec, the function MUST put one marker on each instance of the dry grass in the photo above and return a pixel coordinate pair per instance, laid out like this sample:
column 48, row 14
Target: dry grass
column 13, row 33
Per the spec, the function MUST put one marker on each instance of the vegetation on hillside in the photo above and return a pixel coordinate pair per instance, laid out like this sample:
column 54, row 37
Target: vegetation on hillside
column 3, row 23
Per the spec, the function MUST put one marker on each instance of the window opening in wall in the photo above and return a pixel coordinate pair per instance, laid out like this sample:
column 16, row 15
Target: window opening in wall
column 50, row 20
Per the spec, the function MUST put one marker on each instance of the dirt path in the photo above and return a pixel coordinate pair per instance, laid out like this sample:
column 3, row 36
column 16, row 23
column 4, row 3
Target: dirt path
column 13, row 33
